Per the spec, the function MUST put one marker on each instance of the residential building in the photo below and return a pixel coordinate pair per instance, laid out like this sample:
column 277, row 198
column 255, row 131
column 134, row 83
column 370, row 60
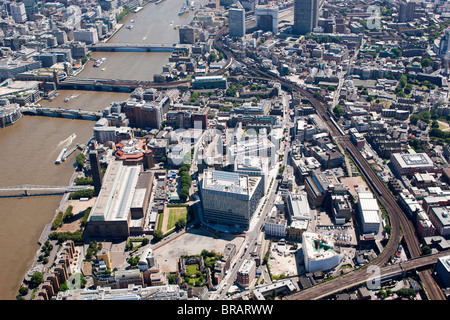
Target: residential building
column 341, row 208
column 18, row 12
column 96, row 171
column 132, row 292
column 275, row 225
column 246, row 273
column 209, row 82
column 444, row 45
column 298, row 206
column 406, row 11
column 316, row 186
column 253, row 166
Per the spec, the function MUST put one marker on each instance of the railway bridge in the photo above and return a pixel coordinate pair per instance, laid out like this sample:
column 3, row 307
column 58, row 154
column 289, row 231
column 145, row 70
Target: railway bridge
column 117, row 85
column 137, row 47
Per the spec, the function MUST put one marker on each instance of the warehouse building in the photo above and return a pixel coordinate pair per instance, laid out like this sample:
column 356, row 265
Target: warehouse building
column 369, row 213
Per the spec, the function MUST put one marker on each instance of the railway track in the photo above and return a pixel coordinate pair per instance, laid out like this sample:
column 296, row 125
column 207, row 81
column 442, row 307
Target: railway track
column 401, row 226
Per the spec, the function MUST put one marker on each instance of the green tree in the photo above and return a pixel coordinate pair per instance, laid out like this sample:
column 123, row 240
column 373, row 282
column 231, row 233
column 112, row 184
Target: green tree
column 133, row 261
column 416, row 144
column 403, row 81
column 80, row 158
column 396, row 52
column 212, row 57
column 64, row 287
column 426, row 250
column 435, row 124
column 408, row 88
column 424, row 116
column 23, row 291
column 414, row 118
column 158, row 235
column 426, row 62
column 129, row 246
column 194, row 96
column 37, row 278
column 184, row 193
column 180, row 224
column 338, row 111
column 87, row 193
column 406, row 293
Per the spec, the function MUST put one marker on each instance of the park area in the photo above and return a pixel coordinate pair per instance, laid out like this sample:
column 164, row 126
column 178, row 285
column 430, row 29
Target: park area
column 171, row 215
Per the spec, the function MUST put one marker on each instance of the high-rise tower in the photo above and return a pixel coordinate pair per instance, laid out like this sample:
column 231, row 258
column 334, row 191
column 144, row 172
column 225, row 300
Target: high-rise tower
column 306, row 16
column 96, row 171
column 236, row 20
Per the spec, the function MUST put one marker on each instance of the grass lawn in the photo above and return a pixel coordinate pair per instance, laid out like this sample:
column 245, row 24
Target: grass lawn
column 160, row 221
column 443, row 126
column 191, row 269
column 176, row 214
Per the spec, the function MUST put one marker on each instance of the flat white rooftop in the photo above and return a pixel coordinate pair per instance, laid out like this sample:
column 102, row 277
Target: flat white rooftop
column 117, row 192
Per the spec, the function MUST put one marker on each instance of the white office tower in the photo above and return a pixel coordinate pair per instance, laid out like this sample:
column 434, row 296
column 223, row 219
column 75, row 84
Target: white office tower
column 229, row 198
column 319, row 255
column 236, row 20
column 18, row 12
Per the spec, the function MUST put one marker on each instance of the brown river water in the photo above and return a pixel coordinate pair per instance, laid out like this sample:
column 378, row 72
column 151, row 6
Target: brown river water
column 31, row 146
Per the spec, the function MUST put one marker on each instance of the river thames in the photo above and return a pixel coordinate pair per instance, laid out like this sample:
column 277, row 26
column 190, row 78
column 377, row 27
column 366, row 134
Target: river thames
column 31, row 146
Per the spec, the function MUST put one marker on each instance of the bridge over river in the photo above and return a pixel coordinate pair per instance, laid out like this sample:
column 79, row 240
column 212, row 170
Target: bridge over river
column 75, row 83
column 137, row 47
column 58, row 112
column 27, row 190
